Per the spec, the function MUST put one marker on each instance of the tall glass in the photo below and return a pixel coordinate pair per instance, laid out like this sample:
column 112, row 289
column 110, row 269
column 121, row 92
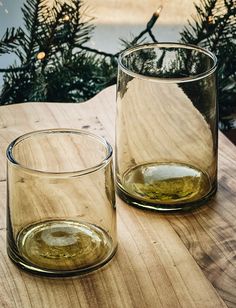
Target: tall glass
column 166, row 126
column 61, row 202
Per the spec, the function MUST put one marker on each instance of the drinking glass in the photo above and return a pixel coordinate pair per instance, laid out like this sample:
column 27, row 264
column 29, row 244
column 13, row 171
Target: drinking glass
column 61, row 217
column 166, row 126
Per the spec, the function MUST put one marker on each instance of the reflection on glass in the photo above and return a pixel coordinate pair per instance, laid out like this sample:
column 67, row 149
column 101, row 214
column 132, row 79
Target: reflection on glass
column 166, row 129
column 61, row 202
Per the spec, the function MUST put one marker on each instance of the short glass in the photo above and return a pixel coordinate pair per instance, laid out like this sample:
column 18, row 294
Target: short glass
column 61, row 216
column 166, row 126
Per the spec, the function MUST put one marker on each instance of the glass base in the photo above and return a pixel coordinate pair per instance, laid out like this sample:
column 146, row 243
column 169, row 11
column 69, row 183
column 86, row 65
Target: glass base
column 61, row 248
column 165, row 186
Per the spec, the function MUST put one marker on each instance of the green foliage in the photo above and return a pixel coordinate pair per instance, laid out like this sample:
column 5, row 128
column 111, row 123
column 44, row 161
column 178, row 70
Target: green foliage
column 10, row 40
column 214, row 28
column 55, row 63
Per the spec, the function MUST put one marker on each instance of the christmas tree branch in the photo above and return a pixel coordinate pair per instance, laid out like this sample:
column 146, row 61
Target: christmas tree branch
column 213, row 28
column 222, row 24
column 31, row 14
column 199, row 31
column 14, row 69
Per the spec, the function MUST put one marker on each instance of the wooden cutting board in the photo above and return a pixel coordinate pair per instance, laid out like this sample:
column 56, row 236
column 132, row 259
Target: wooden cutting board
column 163, row 260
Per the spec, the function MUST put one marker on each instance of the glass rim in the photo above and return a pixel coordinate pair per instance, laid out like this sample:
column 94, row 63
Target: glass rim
column 168, row 45
column 107, row 157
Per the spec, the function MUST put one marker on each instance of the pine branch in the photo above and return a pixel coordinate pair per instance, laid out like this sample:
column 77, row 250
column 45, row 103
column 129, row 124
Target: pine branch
column 48, row 37
column 214, row 28
column 198, row 30
column 81, row 31
column 222, row 24
column 14, row 69
column 52, row 50
column 31, row 15
column 10, row 40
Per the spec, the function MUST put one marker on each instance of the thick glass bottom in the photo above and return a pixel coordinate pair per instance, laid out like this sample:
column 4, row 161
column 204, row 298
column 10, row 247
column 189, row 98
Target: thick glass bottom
column 165, row 186
column 62, row 248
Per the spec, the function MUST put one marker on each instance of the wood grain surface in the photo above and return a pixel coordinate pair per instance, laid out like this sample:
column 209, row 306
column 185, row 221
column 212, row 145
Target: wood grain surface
column 180, row 260
column 157, row 116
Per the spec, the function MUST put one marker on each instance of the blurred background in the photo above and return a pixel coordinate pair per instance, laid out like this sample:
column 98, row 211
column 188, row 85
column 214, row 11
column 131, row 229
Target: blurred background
column 114, row 21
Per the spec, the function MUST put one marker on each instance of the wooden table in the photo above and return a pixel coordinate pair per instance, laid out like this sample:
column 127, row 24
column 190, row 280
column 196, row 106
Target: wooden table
column 163, row 260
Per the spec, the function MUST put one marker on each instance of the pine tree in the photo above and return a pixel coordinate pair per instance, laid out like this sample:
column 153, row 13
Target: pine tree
column 55, row 63
column 214, row 28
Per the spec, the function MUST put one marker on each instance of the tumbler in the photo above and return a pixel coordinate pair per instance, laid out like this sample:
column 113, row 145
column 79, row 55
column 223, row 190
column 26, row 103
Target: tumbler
column 166, row 126
column 61, row 216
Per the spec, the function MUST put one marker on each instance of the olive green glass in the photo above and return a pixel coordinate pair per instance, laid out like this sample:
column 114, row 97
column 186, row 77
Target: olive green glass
column 166, row 126
column 61, row 216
